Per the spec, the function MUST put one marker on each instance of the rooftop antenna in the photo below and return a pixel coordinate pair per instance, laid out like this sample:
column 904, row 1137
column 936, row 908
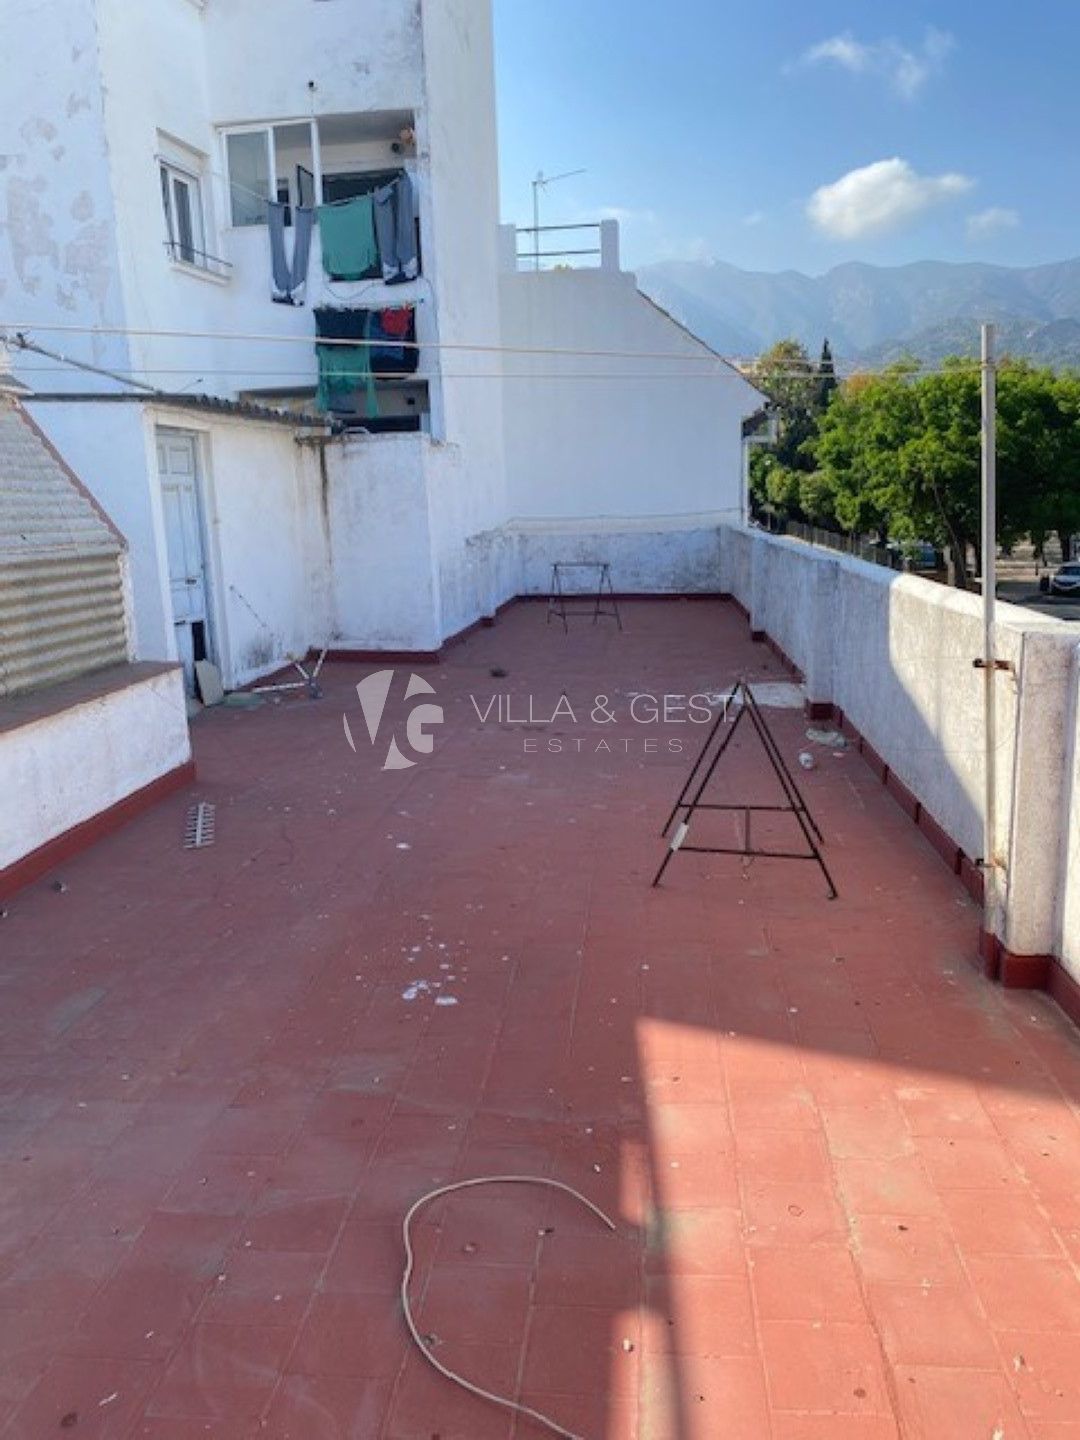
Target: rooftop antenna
column 541, row 182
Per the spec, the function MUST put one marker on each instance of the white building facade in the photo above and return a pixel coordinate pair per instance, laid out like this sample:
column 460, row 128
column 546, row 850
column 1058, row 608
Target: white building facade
column 145, row 148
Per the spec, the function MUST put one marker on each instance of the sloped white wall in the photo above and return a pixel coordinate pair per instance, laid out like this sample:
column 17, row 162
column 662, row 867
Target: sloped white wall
column 610, row 435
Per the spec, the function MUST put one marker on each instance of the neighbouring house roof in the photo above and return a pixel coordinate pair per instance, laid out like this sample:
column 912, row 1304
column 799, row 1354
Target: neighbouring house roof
column 44, row 507
column 62, row 606
column 215, row 404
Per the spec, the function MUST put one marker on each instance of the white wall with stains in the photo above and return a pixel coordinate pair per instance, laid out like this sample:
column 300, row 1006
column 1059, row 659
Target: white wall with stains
column 69, row 765
column 381, row 555
column 109, row 89
column 177, row 73
column 262, row 508
column 58, row 246
column 895, row 653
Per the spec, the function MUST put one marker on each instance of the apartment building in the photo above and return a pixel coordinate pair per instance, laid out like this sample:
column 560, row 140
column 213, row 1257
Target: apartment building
column 167, row 166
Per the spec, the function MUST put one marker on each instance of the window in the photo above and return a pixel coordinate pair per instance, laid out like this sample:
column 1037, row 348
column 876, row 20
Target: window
column 248, row 153
column 348, row 185
column 270, row 162
column 181, row 199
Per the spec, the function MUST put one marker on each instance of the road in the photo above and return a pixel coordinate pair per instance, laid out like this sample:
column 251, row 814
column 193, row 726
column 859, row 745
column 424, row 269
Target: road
column 1024, row 592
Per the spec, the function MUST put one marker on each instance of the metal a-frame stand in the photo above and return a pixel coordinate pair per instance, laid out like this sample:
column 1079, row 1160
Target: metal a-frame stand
column 795, row 804
column 605, row 591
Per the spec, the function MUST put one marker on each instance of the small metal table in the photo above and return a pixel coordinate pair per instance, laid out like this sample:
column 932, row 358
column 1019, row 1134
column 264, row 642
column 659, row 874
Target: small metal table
column 604, row 592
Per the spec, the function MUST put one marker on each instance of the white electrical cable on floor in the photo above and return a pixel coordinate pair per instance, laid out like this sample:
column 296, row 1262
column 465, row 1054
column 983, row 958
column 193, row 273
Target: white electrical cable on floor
column 506, row 1403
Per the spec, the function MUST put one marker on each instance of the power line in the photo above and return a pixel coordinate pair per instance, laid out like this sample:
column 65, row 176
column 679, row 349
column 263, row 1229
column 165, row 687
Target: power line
column 17, row 327
column 722, row 367
column 418, row 376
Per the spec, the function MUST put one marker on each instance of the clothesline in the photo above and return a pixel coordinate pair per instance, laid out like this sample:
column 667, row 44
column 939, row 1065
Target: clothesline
column 232, row 184
column 417, row 375
column 51, row 327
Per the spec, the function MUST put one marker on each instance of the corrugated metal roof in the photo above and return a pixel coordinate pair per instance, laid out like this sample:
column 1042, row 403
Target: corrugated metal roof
column 61, row 590
column 43, row 508
column 215, row 404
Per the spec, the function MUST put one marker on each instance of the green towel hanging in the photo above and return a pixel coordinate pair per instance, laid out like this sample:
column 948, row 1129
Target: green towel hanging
column 344, row 369
column 347, row 234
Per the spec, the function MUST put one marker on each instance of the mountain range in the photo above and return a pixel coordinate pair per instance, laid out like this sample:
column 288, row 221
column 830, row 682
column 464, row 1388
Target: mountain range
column 873, row 314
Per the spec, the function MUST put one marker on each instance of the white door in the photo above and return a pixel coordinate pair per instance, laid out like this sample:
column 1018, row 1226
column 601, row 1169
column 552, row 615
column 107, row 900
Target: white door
column 178, row 472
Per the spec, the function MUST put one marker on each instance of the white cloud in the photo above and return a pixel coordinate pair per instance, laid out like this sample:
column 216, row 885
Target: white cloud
column 755, row 217
column 904, row 69
column 843, row 50
column 992, row 221
column 878, row 198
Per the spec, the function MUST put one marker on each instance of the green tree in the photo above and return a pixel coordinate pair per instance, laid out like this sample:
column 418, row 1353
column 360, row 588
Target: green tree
column 1038, row 453
column 869, row 420
column 784, row 478
column 901, row 454
column 787, row 376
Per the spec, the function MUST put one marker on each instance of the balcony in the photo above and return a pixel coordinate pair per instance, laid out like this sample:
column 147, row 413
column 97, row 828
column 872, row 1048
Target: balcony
column 593, row 245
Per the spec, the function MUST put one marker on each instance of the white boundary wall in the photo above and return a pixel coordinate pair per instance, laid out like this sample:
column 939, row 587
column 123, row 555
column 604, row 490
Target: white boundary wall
column 76, row 762
column 896, row 654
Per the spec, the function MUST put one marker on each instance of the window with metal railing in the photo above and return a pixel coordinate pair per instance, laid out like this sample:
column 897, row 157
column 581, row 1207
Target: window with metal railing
column 185, row 224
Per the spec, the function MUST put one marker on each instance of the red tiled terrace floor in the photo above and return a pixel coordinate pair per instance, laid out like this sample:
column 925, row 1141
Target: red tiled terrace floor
column 845, row 1170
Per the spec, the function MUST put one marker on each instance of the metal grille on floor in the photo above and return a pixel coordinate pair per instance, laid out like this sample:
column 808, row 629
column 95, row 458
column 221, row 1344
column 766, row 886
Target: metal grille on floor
column 199, row 826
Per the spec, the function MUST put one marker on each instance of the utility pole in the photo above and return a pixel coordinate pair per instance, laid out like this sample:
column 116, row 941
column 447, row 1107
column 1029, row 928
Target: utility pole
column 991, row 888
column 541, row 182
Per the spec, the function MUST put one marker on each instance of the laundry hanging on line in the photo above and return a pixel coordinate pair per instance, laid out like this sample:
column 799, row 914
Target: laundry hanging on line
column 397, row 321
column 385, row 344
column 393, row 333
column 395, row 230
column 372, row 235
column 289, row 275
column 347, row 235
column 344, row 369
column 390, row 331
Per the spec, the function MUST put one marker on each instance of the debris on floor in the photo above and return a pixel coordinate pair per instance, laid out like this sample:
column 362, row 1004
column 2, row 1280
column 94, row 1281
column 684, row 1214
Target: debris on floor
column 211, row 690
column 769, row 694
column 834, row 739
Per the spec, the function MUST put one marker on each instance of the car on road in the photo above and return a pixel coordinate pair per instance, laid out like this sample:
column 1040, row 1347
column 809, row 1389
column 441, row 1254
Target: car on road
column 1066, row 579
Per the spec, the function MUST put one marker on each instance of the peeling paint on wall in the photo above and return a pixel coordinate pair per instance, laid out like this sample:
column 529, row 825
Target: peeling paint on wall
column 87, row 257
column 29, row 231
column 37, row 128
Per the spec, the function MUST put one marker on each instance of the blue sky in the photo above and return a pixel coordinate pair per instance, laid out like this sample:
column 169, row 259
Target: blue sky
column 785, row 135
